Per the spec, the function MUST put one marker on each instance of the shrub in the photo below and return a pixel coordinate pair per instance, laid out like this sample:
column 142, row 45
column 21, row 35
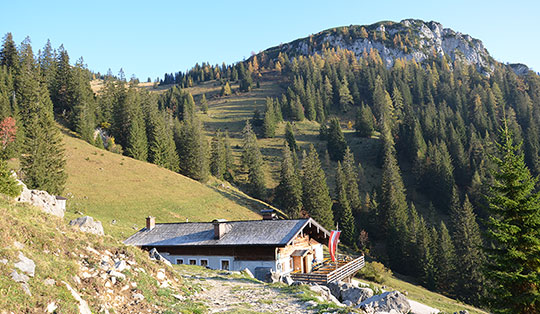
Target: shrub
column 375, row 271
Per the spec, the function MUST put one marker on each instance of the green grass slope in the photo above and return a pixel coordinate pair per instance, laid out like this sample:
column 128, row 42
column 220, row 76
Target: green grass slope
column 120, row 192
column 64, row 255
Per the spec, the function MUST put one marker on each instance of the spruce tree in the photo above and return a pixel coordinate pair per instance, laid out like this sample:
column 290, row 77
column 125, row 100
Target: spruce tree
column 8, row 54
column 336, row 143
column 269, row 122
column 364, row 122
column 514, row 227
column 345, row 98
column 288, row 193
column 445, row 261
column 204, row 104
column 137, row 140
column 290, row 138
column 252, row 163
column 217, row 156
column 342, row 209
column 229, row 159
column 42, row 160
column 350, row 172
column 315, row 196
column 468, row 243
column 192, row 149
column 8, row 184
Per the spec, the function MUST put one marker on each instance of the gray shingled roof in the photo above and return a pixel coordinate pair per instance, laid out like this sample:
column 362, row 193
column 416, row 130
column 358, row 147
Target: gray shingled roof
column 253, row 232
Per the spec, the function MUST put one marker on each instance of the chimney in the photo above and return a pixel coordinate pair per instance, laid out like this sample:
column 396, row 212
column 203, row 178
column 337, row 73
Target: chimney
column 150, row 222
column 220, row 228
column 268, row 214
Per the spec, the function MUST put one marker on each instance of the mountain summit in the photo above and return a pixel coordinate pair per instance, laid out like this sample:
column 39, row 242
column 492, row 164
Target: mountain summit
column 408, row 39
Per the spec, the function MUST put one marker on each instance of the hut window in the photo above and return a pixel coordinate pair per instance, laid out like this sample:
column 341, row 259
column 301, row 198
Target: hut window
column 225, row 264
column 192, row 262
column 204, row 262
column 179, row 261
column 291, row 265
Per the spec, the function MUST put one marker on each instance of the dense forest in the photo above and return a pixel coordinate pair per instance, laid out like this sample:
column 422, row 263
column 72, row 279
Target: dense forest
column 439, row 121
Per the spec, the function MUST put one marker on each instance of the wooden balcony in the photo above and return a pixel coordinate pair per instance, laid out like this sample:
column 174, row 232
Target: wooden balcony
column 329, row 271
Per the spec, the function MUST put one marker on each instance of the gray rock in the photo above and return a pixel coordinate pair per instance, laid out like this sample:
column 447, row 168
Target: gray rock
column 248, row 272
column 462, row 312
column 356, row 295
column 18, row 245
column 348, row 303
column 119, row 275
column 19, row 277
column 287, row 280
column 138, row 296
column 120, row 266
column 386, row 302
column 3, row 261
column 310, row 304
column 26, row 265
column 51, row 307
column 26, row 288
column 325, row 293
column 154, row 254
column 41, row 199
column 83, row 305
column 88, row 224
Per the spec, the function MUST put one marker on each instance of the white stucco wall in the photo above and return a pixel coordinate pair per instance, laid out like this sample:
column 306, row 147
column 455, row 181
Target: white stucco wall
column 214, row 262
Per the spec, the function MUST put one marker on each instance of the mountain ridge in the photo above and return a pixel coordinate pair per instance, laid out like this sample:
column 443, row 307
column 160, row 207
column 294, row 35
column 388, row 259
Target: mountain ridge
column 418, row 40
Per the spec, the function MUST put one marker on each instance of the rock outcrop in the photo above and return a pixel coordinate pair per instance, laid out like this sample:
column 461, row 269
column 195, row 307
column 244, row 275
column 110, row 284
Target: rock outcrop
column 349, row 293
column 423, row 40
column 386, row 302
column 88, row 224
column 46, row 202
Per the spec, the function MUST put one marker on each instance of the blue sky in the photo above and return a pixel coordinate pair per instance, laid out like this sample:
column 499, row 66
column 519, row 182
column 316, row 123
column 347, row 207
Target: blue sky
column 149, row 38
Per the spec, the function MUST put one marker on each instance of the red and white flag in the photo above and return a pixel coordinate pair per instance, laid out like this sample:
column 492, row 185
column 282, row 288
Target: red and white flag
column 332, row 244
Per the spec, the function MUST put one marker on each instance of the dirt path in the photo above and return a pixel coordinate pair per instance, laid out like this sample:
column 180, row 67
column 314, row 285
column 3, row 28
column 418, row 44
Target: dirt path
column 241, row 295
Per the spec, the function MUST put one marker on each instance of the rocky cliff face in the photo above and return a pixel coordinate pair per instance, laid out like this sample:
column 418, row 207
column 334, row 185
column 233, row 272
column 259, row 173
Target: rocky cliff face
column 408, row 39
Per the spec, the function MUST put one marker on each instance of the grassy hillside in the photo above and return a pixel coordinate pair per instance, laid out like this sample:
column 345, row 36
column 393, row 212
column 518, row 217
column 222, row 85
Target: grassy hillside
column 64, row 256
column 120, row 192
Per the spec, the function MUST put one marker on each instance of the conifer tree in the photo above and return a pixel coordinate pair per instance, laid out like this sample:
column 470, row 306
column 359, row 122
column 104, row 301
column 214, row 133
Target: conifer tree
column 364, row 122
column 288, row 193
column 514, row 227
column 269, row 122
column 315, row 196
column 217, row 156
column 162, row 148
column 192, row 149
column 8, row 54
column 204, row 104
column 8, row 184
column 226, row 90
column 445, row 261
column 229, row 159
column 342, row 209
column 336, row 143
column 345, row 98
column 350, row 172
column 468, row 244
column 252, row 163
column 137, row 140
column 42, row 160
column 289, row 137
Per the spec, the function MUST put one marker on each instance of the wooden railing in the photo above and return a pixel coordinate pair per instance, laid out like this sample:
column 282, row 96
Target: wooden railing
column 328, row 271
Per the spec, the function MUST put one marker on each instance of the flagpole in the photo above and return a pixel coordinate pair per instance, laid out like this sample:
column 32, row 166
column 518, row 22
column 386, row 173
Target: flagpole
column 337, row 258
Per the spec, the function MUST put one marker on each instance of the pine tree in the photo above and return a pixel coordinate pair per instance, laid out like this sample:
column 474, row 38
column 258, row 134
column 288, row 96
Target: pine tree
column 315, row 196
column 289, row 137
column 351, row 181
column 252, row 163
column 8, row 54
column 342, row 209
column 364, row 122
column 445, row 261
column 137, row 140
column 42, row 160
column 269, row 122
column 288, row 193
column 217, row 156
column 162, row 149
column 204, row 104
column 468, row 243
column 514, row 227
column 336, row 143
column 192, row 149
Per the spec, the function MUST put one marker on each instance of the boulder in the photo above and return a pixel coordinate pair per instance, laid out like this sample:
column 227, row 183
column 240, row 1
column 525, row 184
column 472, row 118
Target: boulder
column 386, row 302
column 120, row 266
column 325, row 293
column 248, row 272
column 46, row 202
column 154, row 255
column 356, row 295
column 287, row 280
column 26, row 265
column 88, row 224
